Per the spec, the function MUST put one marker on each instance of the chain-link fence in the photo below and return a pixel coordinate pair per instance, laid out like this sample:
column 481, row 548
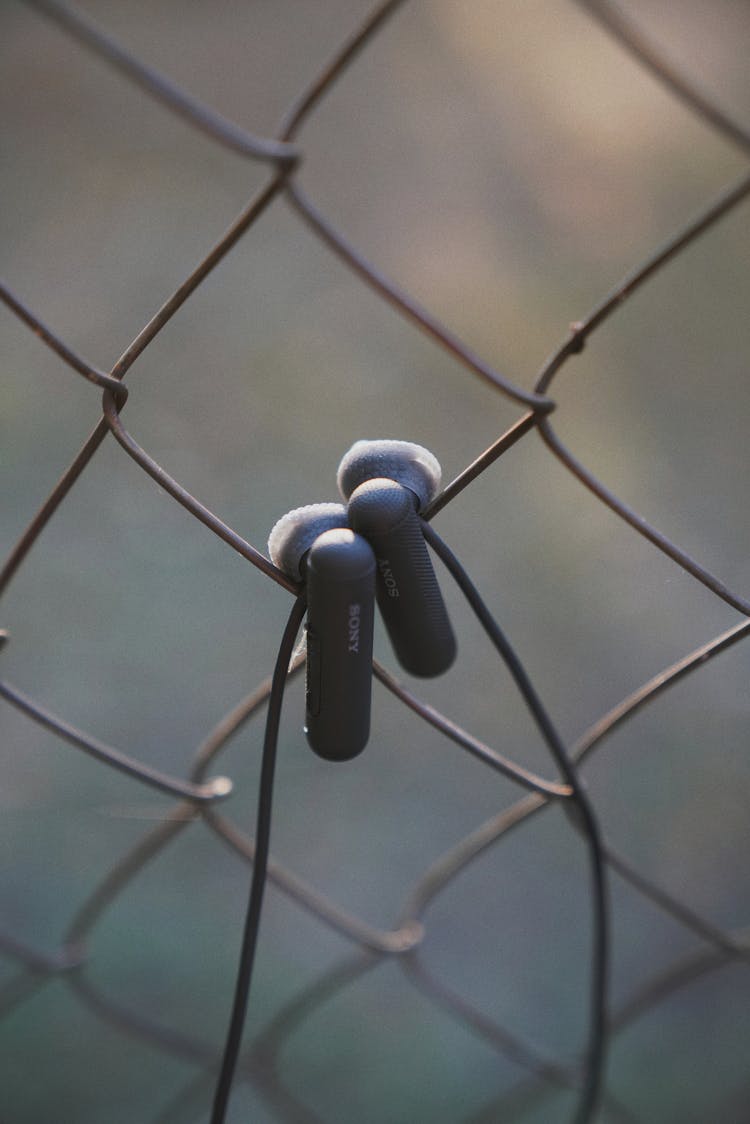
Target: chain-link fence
column 496, row 949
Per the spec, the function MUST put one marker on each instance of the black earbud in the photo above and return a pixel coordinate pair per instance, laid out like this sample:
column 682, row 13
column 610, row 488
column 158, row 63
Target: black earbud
column 315, row 544
column 387, row 483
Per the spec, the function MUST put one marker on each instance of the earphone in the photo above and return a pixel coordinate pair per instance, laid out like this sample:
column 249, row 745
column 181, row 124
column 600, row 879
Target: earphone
column 349, row 556
column 315, row 544
column 387, row 484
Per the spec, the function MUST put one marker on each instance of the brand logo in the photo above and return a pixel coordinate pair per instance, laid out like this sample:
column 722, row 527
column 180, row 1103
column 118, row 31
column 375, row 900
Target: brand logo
column 354, row 618
column 386, row 574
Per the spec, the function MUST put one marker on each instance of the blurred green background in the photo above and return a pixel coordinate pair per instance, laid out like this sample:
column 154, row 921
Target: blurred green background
column 506, row 163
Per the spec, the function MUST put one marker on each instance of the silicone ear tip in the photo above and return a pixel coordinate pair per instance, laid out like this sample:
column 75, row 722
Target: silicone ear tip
column 411, row 465
column 292, row 536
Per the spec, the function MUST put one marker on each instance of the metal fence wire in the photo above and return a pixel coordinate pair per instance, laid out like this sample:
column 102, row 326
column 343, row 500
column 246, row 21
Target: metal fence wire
column 583, row 1082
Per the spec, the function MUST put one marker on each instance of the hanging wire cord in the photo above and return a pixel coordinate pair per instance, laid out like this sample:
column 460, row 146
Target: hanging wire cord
column 583, row 817
column 260, row 864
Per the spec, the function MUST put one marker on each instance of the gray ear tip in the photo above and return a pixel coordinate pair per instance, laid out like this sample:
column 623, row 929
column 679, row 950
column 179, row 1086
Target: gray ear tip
column 293, row 535
column 410, row 464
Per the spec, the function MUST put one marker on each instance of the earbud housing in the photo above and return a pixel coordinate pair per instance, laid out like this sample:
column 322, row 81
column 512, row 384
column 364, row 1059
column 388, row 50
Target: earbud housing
column 340, row 617
column 407, row 591
column 315, row 545
column 387, row 483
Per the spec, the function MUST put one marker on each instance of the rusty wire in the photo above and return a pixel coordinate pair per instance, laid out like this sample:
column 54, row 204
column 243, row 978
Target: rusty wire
column 540, row 1076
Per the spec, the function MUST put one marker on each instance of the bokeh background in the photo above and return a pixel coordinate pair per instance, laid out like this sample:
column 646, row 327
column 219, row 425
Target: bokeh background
column 506, row 163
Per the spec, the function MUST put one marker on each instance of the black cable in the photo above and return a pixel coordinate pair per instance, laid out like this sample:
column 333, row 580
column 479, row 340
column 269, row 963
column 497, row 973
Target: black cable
column 260, row 863
column 585, row 821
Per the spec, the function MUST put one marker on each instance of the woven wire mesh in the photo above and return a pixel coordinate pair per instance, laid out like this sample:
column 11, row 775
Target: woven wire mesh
column 564, row 1034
